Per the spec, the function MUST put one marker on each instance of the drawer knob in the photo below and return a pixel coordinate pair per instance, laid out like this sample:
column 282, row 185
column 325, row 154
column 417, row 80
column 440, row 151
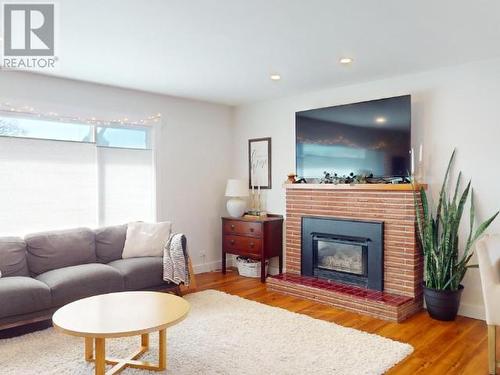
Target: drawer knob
column 232, row 242
column 232, row 226
column 251, row 244
column 251, row 229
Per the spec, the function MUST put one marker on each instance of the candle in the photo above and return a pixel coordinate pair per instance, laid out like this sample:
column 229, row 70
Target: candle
column 252, row 199
column 412, row 161
column 258, row 205
column 420, row 154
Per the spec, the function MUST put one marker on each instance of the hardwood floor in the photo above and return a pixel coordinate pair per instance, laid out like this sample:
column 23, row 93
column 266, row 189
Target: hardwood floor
column 458, row 347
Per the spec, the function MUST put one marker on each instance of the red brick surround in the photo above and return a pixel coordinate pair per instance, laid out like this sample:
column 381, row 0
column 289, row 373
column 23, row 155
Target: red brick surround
column 402, row 259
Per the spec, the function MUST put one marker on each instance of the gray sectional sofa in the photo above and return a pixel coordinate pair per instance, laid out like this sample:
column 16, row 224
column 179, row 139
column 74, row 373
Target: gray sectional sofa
column 47, row 270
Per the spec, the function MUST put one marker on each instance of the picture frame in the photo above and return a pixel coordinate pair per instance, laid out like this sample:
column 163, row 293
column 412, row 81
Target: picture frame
column 259, row 163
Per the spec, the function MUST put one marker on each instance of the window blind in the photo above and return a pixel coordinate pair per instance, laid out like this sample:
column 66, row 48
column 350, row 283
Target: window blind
column 46, row 185
column 126, row 185
column 56, row 176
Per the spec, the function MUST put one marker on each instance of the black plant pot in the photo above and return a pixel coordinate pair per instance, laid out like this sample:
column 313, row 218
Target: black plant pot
column 443, row 304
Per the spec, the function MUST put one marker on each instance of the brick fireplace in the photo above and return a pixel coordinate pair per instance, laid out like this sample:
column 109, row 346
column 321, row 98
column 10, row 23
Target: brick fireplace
column 399, row 294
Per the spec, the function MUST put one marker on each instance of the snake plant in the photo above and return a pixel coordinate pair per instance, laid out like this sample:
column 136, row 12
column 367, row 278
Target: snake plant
column 445, row 264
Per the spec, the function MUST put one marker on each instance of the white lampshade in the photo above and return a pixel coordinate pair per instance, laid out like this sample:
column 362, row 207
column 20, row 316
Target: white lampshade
column 236, row 188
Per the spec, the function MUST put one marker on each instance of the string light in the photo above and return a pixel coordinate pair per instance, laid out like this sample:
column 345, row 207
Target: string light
column 26, row 110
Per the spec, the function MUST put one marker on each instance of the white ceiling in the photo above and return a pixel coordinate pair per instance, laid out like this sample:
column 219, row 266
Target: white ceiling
column 225, row 50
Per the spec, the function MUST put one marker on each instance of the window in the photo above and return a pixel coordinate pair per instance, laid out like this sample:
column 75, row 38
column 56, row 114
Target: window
column 123, row 138
column 41, row 129
column 61, row 175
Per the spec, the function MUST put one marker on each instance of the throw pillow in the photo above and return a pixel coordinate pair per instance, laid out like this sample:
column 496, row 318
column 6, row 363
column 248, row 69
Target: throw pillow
column 146, row 239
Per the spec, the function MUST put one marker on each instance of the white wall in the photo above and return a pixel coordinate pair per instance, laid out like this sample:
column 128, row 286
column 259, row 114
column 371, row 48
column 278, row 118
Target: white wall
column 451, row 107
column 193, row 148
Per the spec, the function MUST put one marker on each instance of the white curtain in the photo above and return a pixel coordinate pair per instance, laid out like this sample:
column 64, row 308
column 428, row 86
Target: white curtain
column 126, row 191
column 46, row 185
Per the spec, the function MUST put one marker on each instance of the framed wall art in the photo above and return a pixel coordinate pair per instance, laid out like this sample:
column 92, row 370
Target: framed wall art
column 259, row 163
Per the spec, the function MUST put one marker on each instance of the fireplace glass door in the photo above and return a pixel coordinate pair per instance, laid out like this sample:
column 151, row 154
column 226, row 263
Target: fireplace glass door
column 340, row 255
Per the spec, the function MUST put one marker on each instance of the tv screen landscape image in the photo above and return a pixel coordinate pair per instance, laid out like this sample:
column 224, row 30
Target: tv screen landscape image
column 372, row 137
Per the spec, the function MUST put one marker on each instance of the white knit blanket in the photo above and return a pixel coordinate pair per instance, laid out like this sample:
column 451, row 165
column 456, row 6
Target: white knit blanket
column 175, row 260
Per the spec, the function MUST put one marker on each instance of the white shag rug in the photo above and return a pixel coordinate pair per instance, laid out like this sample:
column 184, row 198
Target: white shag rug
column 223, row 335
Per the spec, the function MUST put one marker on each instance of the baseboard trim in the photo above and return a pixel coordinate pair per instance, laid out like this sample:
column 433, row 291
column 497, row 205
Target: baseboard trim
column 211, row 266
column 206, row 267
column 472, row 311
column 230, row 262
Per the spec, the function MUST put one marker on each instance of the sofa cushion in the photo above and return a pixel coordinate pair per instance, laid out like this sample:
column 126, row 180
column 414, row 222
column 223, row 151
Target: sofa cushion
column 140, row 273
column 13, row 257
column 109, row 242
column 71, row 283
column 57, row 249
column 22, row 295
column 146, row 239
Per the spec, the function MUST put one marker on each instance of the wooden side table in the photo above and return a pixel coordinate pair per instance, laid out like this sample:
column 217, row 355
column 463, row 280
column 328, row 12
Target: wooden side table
column 259, row 239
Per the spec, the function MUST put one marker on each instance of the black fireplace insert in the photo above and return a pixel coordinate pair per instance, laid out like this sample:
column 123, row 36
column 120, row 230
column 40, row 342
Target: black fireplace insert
column 348, row 251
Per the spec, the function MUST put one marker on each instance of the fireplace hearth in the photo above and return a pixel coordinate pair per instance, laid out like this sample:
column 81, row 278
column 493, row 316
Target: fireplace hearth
column 346, row 251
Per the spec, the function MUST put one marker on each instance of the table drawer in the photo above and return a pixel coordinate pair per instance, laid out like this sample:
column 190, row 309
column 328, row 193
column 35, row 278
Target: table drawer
column 242, row 245
column 243, row 227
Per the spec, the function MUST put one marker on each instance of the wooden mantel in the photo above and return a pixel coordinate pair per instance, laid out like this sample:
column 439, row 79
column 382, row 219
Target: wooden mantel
column 370, row 187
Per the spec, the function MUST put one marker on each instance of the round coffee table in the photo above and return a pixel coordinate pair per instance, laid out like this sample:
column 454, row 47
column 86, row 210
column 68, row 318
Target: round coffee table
column 120, row 315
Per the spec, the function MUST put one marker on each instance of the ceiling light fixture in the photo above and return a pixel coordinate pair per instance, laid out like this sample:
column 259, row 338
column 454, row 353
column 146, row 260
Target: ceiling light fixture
column 345, row 60
column 275, row 77
column 380, row 120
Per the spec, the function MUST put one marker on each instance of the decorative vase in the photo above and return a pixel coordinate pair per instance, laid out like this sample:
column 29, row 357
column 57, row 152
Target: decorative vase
column 236, row 189
column 236, row 207
column 443, row 304
column 291, row 178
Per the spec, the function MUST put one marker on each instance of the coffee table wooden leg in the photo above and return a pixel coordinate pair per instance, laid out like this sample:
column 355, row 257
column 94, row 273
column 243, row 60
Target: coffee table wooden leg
column 145, row 340
column 89, row 349
column 100, row 356
column 119, row 364
column 162, row 353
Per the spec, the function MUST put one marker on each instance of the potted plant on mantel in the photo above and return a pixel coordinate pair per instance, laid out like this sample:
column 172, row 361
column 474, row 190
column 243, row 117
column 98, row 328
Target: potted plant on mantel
column 445, row 264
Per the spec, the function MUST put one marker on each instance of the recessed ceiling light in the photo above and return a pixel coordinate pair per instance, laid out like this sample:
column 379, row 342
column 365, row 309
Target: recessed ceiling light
column 345, row 60
column 380, row 120
column 275, row 77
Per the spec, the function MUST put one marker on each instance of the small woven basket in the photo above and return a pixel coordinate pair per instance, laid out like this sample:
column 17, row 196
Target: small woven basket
column 249, row 269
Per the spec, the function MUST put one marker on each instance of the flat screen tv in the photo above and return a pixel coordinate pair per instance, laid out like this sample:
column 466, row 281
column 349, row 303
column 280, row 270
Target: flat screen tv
column 372, row 137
